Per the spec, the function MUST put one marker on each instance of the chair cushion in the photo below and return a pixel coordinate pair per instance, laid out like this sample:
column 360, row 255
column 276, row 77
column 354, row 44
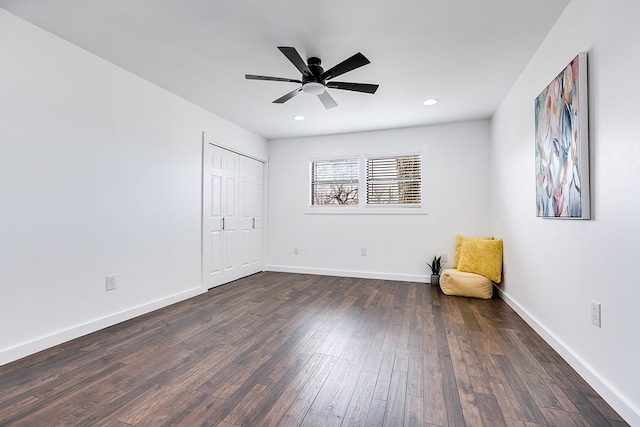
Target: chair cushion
column 482, row 257
column 460, row 283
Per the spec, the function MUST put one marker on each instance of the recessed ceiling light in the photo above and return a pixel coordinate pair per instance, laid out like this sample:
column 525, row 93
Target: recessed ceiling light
column 430, row 101
column 299, row 118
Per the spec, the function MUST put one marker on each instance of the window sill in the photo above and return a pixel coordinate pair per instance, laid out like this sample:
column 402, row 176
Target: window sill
column 369, row 210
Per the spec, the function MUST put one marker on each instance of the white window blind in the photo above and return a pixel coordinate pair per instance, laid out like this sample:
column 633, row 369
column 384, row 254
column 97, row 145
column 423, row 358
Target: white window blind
column 394, row 180
column 334, row 182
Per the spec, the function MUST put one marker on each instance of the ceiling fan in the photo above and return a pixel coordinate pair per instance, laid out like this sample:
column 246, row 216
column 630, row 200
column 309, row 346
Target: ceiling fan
column 315, row 80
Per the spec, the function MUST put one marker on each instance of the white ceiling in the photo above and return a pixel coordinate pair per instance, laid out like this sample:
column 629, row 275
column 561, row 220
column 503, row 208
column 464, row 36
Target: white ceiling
column 466, row 53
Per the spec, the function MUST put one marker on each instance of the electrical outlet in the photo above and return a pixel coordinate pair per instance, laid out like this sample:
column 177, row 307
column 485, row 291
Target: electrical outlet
column 110, row 284
column 444, row 258
column 296, row 250
column 363, row 251
column 595, row 313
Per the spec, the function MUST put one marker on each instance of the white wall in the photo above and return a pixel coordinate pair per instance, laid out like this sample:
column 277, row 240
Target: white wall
column 100, row 173
column 556, row 267
column 456, row 180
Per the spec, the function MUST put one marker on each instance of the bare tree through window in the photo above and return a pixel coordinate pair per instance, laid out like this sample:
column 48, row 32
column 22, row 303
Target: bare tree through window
column 334, row 182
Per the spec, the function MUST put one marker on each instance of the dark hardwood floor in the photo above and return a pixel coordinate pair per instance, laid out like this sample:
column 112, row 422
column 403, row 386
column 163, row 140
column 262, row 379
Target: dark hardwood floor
column 277, row 349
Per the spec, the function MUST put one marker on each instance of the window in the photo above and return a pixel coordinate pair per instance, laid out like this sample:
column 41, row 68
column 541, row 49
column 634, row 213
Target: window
column 381, row 184
column 334, row 182
column 394, row 180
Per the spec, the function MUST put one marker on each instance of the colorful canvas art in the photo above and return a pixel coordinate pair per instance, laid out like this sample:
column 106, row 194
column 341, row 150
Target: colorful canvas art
column 562, row 152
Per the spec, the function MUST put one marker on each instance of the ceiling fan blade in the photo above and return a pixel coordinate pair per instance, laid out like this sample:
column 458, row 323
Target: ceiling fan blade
column 292, row 55
column 274, row 79
column 288, row 96
column 356, row 61
column 357, row 87
column 327, row 100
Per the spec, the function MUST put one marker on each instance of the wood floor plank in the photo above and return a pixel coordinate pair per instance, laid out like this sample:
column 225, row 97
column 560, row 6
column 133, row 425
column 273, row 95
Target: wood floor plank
column 586, row 408
column 331, row 403
column 401, row 361
column 339, row 336
column 360, row 402
column 247, row 406
column 303, row 401
column 503, row 397
column 435, row 409
column 452, row 404
column 489, row 411
column 541, row 394
column 517, row 391
column 414, row 411
column 43, row 408
column 384, row 376
column 375, row 416
column 196, row 412
column 484, row 346
column 556, row 417
column 563, row 399
column 281, row 386
column 362, row 337
column 394, row 412
column 519, row 350
column 466, row 395
column 415, row 374
column 281, row 349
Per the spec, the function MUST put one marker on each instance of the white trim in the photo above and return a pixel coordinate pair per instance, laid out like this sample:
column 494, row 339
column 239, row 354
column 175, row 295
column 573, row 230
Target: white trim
column 43, row 343
column 627, row 410
column 357, row 211
column 206, row 139
column 349, row 273
column 357, row 157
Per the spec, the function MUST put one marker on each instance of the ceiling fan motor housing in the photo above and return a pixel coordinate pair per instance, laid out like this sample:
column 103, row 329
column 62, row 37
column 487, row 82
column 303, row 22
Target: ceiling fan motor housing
column 312, row 83
column 313, row 64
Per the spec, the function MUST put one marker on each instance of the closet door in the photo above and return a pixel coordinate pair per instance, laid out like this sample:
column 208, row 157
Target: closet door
column 257, row 206
column 212, row 184
column 231, row 235
column 251, row 207
column 246, row 217
column 232, row 216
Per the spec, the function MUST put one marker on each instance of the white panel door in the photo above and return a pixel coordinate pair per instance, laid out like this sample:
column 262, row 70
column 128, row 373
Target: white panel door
column 257, row 207
column 246, row 212
column 251, row 208
column 212, row 216
column 232, row 203
column 230, row 227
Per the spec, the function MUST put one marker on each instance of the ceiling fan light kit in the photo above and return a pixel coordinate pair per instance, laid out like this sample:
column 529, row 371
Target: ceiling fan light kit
column 313, row 88
column 315, row 80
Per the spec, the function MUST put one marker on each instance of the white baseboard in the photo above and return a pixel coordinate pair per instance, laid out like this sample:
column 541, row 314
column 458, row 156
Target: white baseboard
column 624, row 407
column 349, row 273
column 31, row 347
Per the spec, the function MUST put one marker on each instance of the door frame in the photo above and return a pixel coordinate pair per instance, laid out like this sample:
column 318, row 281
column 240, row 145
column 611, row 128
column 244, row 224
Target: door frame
column 206, row 140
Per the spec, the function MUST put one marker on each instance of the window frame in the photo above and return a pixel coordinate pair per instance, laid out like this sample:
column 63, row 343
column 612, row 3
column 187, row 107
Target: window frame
column 392, row 180
column 363, row 208
column 312, row 181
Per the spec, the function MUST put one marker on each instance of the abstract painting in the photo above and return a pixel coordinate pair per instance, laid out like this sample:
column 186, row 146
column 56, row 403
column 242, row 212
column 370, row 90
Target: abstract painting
column 562, row 146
